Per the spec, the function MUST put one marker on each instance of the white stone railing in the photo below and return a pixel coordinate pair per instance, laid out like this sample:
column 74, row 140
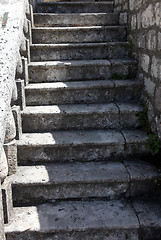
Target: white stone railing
column 12, row 43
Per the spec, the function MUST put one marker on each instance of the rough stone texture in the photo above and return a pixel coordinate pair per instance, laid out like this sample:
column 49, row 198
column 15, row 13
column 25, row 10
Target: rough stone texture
column 7, row 200
column 55, row 20
column 2, row 235
column 144, row 29
column 11, row 154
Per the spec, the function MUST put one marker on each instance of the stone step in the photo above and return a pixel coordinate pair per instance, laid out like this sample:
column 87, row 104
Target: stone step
column 76, row 51
column 77, row 145
column 80, row 116
column 75, row 19
column 115, row 219
column 75, row 7
column 78, row 34
column 83, row 92
column 111, row 180
column 53, row 71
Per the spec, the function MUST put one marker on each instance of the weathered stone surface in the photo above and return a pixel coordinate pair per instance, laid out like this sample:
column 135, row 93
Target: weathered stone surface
column 145, row 60
column 53, row 71
column 75, row 220
column 11, row 154
column 78, row 34
column 7, row 200
column 78, row 51
column 88, row 19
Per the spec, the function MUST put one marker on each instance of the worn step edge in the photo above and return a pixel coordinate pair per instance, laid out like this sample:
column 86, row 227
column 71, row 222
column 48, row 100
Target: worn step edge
column 76, row 92
column 75, row 19
column 76, row 180
column 93, row 220
column 78, row 28
column 80, row 116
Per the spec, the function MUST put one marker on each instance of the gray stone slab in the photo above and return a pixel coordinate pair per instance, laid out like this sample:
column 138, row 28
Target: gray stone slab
column 75, row 220
column 72, row 180
column 78, row 34
column 70, row 145
column 82, row 19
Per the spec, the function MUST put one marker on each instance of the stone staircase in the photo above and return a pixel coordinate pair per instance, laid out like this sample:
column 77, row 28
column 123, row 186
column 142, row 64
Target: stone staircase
column 80, row 172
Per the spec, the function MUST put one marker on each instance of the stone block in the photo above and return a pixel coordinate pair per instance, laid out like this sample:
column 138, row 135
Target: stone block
column 11, row 154
column 21, row 101
column 7, row 200
column 10, row 127
column 17, row 116
column 158, row 14
column 133, row 22
column 145, row 60
column 148, row 17
column 2, row 234
column 123, row 18
column 158, row 99
column 4, row 165
column 159, row 40
column 156, row 67
column 149, row 86
column 151, row 40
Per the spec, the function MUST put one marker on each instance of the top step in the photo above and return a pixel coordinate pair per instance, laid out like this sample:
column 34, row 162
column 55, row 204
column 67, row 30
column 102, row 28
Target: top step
column 75, row 7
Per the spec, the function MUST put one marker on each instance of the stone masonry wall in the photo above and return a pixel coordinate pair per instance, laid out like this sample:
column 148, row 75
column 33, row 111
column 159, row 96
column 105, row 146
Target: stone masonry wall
column 143, row 18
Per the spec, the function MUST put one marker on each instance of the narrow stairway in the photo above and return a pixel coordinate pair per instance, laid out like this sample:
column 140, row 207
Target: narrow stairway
column 80, row 172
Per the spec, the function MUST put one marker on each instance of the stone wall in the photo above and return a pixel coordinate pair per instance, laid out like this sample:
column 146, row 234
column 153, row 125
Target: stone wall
column 14, row 56
column 143, row 18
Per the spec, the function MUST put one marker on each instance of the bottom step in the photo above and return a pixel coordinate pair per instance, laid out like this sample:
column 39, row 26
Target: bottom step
column 97, row 220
